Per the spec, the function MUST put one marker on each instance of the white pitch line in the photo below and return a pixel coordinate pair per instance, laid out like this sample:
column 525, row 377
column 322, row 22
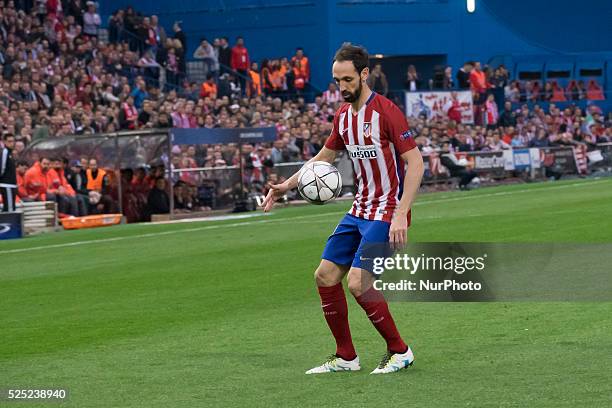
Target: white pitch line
column 266, row 221
column 505, row 193
column 157, row 234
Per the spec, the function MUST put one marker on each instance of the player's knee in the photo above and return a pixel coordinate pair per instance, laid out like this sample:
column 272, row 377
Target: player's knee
column 354, row 284
column 325, row 276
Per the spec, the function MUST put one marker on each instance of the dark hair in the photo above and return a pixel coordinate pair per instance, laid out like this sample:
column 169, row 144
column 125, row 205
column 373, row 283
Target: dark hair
column 356, row 54
column 22, row 163
column 7, row 135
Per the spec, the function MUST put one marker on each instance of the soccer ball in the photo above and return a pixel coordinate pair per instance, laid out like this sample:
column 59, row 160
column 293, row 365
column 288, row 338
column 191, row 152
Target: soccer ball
column 319, row 182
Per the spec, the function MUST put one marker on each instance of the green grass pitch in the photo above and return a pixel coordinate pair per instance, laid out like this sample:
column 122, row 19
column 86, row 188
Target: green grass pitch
column 226, row 313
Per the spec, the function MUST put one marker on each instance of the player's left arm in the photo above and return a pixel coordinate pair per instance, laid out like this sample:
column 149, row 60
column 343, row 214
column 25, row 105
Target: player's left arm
column 412, row 181
column 403, row 140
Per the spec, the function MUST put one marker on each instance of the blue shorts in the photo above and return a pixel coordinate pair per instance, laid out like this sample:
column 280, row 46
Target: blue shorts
column 346, row 245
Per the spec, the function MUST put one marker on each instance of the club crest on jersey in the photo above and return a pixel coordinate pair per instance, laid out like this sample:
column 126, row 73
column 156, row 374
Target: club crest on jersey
column 408, row 134
column 367, row 130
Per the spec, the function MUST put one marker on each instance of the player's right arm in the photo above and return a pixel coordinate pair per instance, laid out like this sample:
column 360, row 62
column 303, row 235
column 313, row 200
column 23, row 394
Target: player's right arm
column 278, row 190
column 328, row 153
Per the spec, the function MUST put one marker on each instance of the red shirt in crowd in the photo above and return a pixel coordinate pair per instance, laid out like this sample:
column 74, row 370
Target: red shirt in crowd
column 240, row 58
column 478, row 81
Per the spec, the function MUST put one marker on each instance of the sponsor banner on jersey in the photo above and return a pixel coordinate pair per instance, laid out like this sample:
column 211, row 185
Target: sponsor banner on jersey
column 485, row 272
column 436, row 105
column 366, row 152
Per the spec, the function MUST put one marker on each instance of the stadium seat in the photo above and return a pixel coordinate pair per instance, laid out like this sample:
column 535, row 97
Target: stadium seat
column 562, row 72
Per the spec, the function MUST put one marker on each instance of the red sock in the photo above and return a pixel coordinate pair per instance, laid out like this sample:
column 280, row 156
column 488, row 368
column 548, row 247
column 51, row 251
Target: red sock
column 377, row 310
column 335, row 310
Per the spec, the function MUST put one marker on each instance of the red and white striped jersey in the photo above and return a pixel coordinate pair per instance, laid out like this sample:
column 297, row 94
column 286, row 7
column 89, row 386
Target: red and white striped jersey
column 374, row 138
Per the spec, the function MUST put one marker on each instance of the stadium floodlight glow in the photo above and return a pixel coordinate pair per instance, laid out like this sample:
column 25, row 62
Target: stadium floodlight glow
column 471, row 6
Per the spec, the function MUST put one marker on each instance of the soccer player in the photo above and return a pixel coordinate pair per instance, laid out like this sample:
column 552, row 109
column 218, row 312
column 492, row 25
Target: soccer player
column 376, row 135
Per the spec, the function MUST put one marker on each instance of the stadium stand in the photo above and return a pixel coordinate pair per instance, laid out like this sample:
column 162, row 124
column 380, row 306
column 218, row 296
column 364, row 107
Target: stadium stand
column 59, row 78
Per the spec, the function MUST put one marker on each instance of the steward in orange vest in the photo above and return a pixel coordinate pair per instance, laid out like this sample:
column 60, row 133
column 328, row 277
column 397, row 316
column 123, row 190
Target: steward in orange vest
column 95, row 177
column 254, row 88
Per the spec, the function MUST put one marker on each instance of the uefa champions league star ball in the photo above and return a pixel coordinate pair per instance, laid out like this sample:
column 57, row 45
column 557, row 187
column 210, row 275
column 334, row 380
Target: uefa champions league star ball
column 319, row 182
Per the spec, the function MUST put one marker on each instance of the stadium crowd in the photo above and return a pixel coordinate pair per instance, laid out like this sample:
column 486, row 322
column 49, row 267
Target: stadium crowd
column 59, row 79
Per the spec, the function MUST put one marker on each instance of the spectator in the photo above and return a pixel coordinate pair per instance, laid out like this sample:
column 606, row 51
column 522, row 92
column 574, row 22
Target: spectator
column 146, row 117
column 157, row 34
column 557, row 93
column 240, row 61
column 463, row 76
column 456, row 168
column 150, row 68
column 478, row 83
column 22, row 168
column 377, row 80
column 35, row 180
column 91, row 20
column 158, row 201
column 541, row 140
column 139, row 93
column 75, row 9
column 490, row 112
column 254, row 87
column 206, row 53
column 594, row 92
column 332, row 94
column 498, row 85
column 508, row 116
column 580, row 90
column 8, row 173
column 513, row 92
column 496, row 144
column 179, row 34
column 209, row 87
column 413, row 79
column 58, row 186
column 546, row 95
column 571, row 90
column 225, row 54
column 171, row 64
column 128, row 116
column 181, row 60
column 98, row 189
column 448, row 82
column 77, row 178
column 301, row 69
